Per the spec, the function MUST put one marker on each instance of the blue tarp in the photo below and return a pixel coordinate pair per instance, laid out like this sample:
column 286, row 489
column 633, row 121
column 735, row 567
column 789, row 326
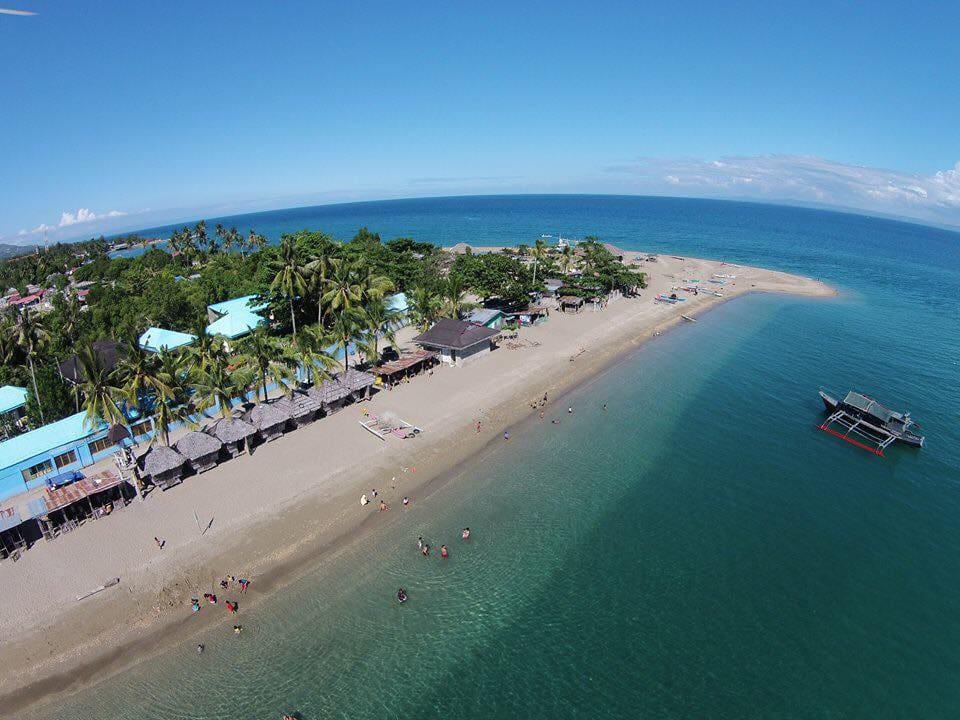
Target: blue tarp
column 64, row 478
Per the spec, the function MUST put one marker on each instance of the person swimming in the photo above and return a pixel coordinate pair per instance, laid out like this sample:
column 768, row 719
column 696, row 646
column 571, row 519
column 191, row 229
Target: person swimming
column 465, row 533
column 443, row 552
column 401, row 595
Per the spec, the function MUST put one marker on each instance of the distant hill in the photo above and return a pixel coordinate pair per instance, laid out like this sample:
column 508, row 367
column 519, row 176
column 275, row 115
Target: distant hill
column 11, row 250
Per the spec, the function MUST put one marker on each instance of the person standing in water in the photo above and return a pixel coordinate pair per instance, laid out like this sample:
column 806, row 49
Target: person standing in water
column 443, row 552
column 465, row 533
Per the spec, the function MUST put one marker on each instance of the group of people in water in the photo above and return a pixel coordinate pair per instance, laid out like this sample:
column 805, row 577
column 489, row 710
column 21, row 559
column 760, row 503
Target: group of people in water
column 424, row 547
column 232, row 606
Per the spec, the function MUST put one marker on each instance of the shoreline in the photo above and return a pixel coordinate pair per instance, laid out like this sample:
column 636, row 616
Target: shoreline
column 309, row 526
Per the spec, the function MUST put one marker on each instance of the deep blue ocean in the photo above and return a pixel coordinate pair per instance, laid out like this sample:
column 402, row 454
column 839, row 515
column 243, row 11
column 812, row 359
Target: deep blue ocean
column 698, row 551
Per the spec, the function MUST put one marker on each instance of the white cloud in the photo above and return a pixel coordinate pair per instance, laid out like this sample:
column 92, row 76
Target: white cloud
column 934, row 198
column 84, row 215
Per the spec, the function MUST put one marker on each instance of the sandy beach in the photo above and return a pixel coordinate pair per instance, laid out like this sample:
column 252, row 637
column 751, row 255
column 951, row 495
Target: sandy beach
column 295, row 501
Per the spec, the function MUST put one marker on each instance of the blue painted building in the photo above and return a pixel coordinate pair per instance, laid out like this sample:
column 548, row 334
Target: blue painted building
column 13, row 401
column 235, row 318
column 69, row 444
column 157, row 339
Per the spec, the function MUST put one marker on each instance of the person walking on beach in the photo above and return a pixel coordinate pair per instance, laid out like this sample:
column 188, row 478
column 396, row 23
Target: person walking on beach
column 478, row 427
column 244, row 584
column 200, row 649
column 570, row 410
column 406, row 501
column 383, row 507
column 506, row 435
column 160, row 543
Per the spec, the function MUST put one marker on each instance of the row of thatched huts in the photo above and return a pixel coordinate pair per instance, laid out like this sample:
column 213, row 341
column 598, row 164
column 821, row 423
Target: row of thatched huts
column 200, row 450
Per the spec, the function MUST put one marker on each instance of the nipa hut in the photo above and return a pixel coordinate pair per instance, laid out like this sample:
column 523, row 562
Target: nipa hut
column 162, row 465
column 202, row 451
column 234, row 434
column 268, row 420
column 570, row 303
column 357, row 382
column 301, row 405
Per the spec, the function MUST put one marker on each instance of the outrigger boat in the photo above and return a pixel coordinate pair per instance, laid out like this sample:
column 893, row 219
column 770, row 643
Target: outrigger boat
column 672, row 298
column 876, row 425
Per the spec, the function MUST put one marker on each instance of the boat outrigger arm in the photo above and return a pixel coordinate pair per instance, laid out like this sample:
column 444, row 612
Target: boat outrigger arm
column 877, row 438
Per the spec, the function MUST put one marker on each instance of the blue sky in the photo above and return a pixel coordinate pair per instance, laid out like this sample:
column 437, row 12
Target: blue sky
column 126, row 114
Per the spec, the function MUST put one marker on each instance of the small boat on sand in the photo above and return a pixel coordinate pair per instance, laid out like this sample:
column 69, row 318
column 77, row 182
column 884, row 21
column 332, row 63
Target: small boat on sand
column 688, row 318
column 876, row 426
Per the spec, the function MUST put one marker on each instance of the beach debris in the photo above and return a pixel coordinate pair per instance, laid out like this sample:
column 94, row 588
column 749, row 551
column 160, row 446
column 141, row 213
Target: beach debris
column 100, row 588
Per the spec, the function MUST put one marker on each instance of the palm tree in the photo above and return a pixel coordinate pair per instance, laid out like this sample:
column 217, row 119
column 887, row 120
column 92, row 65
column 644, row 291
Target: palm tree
column 343, row 289
column 567, row 258
column 290, row 279
column 174, row 376
column 206, row 349
column 31, row 335
column 317, row 271
column 138, row 375
column 454, row 303
column 226, row 239
column 217, row 384
column 348, row 325
column 380, row 321
column 424, row 307
column 313, row 354
column 267, row 356
column 100, row 393
column 8, row 342
column 372, row 287
column 256, row 241
column 539, row 255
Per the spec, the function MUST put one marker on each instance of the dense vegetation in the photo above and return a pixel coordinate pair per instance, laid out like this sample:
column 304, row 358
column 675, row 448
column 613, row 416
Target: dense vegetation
column 320, row 294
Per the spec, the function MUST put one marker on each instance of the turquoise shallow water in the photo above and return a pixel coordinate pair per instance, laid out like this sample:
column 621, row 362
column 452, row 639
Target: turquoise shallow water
column 699, row 550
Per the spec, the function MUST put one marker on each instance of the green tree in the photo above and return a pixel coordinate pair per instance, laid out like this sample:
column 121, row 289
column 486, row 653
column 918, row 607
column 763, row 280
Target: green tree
column 290, row 279
column 216, row 384
column 425, row 306
column 31, row 336
column 138, row 375
column 268, row 357
column 454, row 303
column 380, row 321
column 312, row 352
column 174, row 378
column 100, row 392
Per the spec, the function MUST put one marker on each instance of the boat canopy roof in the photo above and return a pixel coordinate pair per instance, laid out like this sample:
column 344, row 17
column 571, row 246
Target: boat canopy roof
column 870, row 406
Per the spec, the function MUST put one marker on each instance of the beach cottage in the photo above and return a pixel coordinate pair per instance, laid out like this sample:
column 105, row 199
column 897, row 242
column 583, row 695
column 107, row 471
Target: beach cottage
column 303, row 407
column 161, row 465
column 234, row 434
column 201, row 450
column 457, row 341
column 269, row 421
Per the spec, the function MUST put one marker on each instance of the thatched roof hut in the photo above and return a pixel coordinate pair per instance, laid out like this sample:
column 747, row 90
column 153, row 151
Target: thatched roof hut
column 301, row 405
column 200, row 449
column 268, row 420
column 354, row 380
column 328, row 393
column 162, row 464
column 232, row 433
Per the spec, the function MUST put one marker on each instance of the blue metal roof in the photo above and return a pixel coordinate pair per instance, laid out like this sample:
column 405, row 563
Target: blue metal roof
column 156, row 339
column 247, row 303
column 483, row 315
column 12, row 397
column 235, row 324
column 44, row 439
column 397, row 302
